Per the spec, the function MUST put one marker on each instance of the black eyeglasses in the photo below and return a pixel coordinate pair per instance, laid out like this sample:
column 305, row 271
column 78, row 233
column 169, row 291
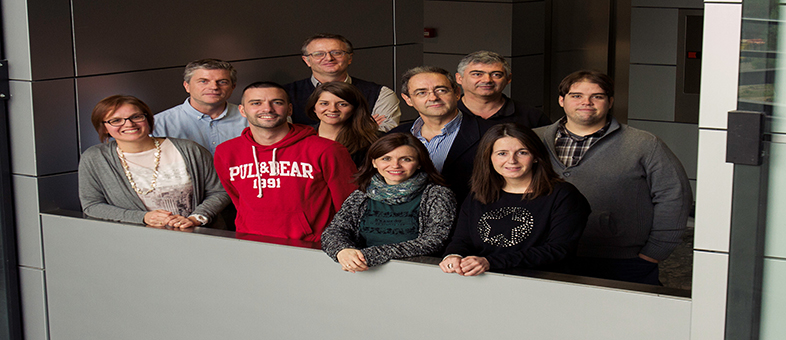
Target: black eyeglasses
column 321, row 54
column 137, row 118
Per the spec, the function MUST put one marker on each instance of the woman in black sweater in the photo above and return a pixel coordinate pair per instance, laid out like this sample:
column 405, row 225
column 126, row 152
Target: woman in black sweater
column 520, row 214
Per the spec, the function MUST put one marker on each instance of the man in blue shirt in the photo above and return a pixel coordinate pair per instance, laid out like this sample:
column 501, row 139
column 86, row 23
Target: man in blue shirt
column 205, row 117
column 450, row 135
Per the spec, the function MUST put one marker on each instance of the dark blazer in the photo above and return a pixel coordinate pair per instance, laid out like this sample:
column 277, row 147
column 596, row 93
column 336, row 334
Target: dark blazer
column 458, row 164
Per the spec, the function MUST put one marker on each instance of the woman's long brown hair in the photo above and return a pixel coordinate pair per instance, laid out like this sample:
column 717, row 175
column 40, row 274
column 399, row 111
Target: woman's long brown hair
column 486, row 183
column 360, row 130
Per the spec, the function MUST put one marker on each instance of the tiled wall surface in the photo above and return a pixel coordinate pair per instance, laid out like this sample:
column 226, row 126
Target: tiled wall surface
column 653, row 79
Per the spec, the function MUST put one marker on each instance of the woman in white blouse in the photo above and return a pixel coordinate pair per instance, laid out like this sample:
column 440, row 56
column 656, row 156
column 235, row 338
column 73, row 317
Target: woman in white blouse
column 136, row 178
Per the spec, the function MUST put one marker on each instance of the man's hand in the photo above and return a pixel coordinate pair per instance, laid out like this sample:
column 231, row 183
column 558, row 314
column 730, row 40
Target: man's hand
column 378, row 118
column 647, row 258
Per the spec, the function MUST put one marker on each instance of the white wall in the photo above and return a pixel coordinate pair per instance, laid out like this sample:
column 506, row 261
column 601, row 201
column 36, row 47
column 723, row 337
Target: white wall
column 720, row 66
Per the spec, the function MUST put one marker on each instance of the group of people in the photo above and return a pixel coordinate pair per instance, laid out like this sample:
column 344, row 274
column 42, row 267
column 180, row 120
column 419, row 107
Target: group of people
column 324, row 159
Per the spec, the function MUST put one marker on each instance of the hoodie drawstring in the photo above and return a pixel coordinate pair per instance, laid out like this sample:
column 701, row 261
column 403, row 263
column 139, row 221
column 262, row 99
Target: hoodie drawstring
column 256, row 168
column 274, row 165
column 273, row 168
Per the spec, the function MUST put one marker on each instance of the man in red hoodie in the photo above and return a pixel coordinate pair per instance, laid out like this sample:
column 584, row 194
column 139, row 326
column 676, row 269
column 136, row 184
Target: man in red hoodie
column 284, row 180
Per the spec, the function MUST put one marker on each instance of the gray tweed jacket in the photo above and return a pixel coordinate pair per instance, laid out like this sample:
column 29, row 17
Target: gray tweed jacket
column 436, row 215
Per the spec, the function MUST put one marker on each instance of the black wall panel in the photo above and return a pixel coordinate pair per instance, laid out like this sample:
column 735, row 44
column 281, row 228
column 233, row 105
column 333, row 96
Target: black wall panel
column 148, row 34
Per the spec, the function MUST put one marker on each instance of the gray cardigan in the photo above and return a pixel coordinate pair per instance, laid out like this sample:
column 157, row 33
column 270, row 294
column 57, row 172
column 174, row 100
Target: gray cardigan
column 437, row 210
column 105, row 192
column 638, row 191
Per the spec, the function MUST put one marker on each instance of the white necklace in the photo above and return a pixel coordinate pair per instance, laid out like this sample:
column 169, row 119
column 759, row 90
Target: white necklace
column 155, row 169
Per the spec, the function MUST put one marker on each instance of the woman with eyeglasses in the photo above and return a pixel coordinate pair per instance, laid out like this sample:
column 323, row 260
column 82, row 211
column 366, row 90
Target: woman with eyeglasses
column 344, row 117
column 520, row 214
column 401, row 208
column 137, row 178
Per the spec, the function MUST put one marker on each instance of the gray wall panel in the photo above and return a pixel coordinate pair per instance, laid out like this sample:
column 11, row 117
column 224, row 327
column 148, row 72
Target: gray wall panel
column 59, row 191
column 653, row 36
column 51, row 50
column 580, row 40
column 125, row 36
column 21, row 129
column 527, row 83
column 465, row 27
column 16, row 38
column 281, row 70
column 668, row 3
column 33, row 296
column 581, row 26
column 56, row 142
column 446, row 61
column 366, row 65
column 529, row 28
column 652, row 92
column 28, row 224
column 163, row 284
column 409, row 21
column 407, row 57
column 160, row 89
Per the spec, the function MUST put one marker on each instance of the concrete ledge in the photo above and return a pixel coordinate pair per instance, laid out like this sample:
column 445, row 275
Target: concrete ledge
column 112, row 281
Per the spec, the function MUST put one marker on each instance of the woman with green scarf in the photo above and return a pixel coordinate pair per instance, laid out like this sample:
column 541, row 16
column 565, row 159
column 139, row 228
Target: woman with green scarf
column 401, row 208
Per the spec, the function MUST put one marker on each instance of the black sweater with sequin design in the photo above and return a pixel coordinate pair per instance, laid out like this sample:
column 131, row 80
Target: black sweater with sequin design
column 511, row 232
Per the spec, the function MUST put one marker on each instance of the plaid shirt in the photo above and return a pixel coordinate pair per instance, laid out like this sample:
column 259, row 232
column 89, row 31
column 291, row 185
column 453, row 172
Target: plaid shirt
column 571, row 148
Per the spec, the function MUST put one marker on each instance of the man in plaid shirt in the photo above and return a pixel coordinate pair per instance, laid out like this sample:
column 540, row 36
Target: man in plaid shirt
column 637, row 188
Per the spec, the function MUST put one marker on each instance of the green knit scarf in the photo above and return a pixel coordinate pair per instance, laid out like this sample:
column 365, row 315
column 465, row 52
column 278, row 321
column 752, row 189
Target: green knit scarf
column 379, row 190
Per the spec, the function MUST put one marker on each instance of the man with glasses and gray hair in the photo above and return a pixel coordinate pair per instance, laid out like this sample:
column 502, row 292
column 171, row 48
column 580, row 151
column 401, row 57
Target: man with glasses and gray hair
column 450, row 135
column 329, row 57
column 484, row 75
column 205, row 117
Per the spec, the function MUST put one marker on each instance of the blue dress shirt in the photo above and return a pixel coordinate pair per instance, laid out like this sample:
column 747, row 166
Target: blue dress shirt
column 439, row 146
column 184, row 121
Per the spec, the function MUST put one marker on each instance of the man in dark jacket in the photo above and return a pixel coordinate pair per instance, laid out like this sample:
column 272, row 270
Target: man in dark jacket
column 451, row 136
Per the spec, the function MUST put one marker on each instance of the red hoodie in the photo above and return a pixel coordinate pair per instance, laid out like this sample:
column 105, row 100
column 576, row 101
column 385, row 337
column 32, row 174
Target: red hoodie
column 301, row 183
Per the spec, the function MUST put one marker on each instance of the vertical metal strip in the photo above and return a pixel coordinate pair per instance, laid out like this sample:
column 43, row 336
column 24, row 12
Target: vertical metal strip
column 746, row 251
column 10, row 311
column 750, row 188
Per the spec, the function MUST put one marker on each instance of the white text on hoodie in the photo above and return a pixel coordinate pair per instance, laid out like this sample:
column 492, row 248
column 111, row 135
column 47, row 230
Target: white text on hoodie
column 285, row 169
